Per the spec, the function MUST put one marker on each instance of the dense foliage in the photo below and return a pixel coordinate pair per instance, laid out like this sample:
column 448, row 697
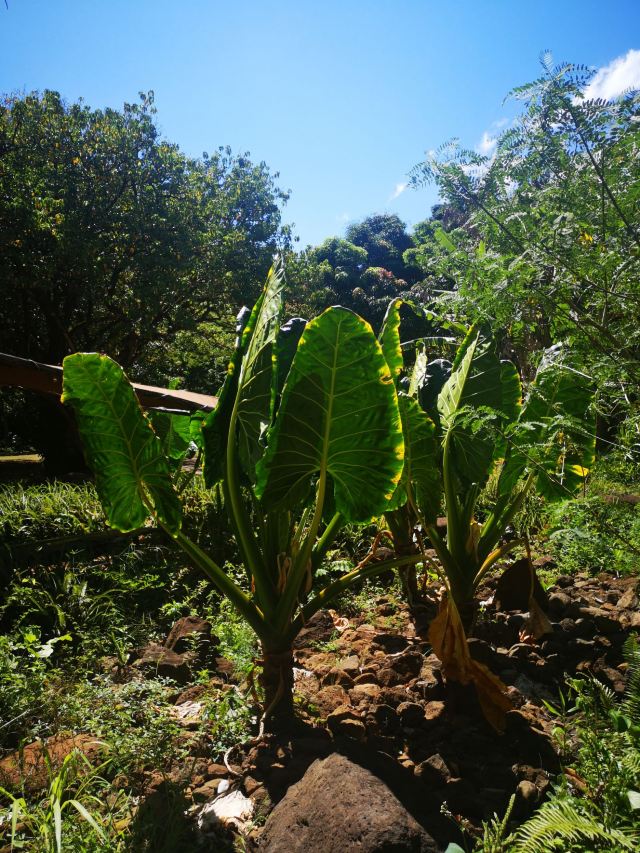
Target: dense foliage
column 112, row 239
column 546, row 245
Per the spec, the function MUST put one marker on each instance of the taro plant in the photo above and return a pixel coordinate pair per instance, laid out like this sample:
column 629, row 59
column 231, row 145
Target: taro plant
column 305, row 436
column 461, row 422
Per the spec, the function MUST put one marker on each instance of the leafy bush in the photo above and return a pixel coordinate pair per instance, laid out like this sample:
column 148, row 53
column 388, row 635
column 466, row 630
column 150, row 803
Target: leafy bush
column 593, row 535
column 597, row 801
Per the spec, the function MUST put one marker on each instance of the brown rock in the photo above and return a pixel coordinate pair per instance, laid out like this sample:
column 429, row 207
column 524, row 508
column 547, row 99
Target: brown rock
column 320, row 663
column 407, row 665
column 318, row 629
column 188, row 632
column 216, row 771
column 391, row 643
column 433, row 711
column 251, row 785
column 206, row 792
column 364, row 693
column 338, row 676
column 411, row 714
column 628, row 600
column 366, row 816
column 393, row 696
column 29, row 768
column 350, row 665
column 366, row 678
column 329, row 698
column 433, row 771
column 155, row 659
column 385, row 719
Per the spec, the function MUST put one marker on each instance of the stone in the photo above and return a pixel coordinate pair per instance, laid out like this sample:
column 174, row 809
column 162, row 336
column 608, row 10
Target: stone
column 319, row 629
column 433, row 771
column 366, row 678
column 527, row 791
column 350, row 665
column 628, row 600
column 364, row 693
column 339, row 806
column 558, row 603
column 251, row 785
column 607, row 624
column 338, row 676
column 391, row 643
column 393, row 696
column 384, row 719
column 408, row 665
column 433, row 711
column 328, row 698
column 28, row 766
column 155, row 659
column 320, row 662
column 205, row 792
column 216, row 771
column 188, row 632
column 411, row 714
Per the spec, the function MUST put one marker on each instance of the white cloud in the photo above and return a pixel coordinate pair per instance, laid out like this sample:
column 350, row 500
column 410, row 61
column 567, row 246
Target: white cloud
column 343, row 217
column 487, row 144
column 400, row 188
column 615, row 78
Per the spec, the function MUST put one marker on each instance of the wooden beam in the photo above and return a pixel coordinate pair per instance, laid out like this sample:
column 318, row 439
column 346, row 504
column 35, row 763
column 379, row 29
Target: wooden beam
column 47, row 379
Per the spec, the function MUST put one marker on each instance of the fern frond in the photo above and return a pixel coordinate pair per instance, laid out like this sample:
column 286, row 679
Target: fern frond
column 558, row 824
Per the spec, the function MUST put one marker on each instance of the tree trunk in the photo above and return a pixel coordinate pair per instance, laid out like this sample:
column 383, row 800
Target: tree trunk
column 276, row 680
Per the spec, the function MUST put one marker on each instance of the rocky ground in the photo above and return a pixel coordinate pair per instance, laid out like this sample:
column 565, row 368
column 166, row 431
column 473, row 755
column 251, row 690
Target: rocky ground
column 386, row 752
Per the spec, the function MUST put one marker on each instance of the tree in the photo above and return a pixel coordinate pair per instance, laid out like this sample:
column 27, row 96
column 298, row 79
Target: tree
column 111, row 239
column 550, row 247
column 384, row 237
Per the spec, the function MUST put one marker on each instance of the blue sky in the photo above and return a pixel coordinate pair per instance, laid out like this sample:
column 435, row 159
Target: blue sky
column 341, row 98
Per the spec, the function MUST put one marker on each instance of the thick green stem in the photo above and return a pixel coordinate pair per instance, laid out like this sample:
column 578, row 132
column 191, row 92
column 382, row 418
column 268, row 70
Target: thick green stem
column 326, row 540
column 497, row 523
column 400, row 523
column 242, row 522
column 243, row 604
column 454, row 531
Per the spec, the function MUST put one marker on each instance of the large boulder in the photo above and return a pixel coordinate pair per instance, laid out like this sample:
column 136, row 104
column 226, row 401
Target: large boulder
column 339, row 806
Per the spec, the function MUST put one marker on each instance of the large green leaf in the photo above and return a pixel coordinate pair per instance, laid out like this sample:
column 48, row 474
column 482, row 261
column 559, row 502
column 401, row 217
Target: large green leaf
column 132, row 474
column 286, row 346
column 479, row 399
column 421, row 472
column 215, row 428
column 390, row 338
column 257, row 380
column 418, row 373
column 555, row 432
column 430, row 382
column 174, row 432
column 339, row 417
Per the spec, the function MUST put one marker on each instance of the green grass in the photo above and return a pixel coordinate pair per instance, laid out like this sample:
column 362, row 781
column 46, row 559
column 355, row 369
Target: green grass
column 49, row 510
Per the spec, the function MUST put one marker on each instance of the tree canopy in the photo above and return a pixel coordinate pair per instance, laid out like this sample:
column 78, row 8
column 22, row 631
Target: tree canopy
column 112, row 239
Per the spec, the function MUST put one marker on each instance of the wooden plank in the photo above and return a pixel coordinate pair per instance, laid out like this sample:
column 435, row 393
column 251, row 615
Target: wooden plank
column 47, row 379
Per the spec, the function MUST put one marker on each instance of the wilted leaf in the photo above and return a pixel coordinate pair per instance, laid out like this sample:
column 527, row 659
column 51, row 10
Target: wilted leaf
column 449, row 643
